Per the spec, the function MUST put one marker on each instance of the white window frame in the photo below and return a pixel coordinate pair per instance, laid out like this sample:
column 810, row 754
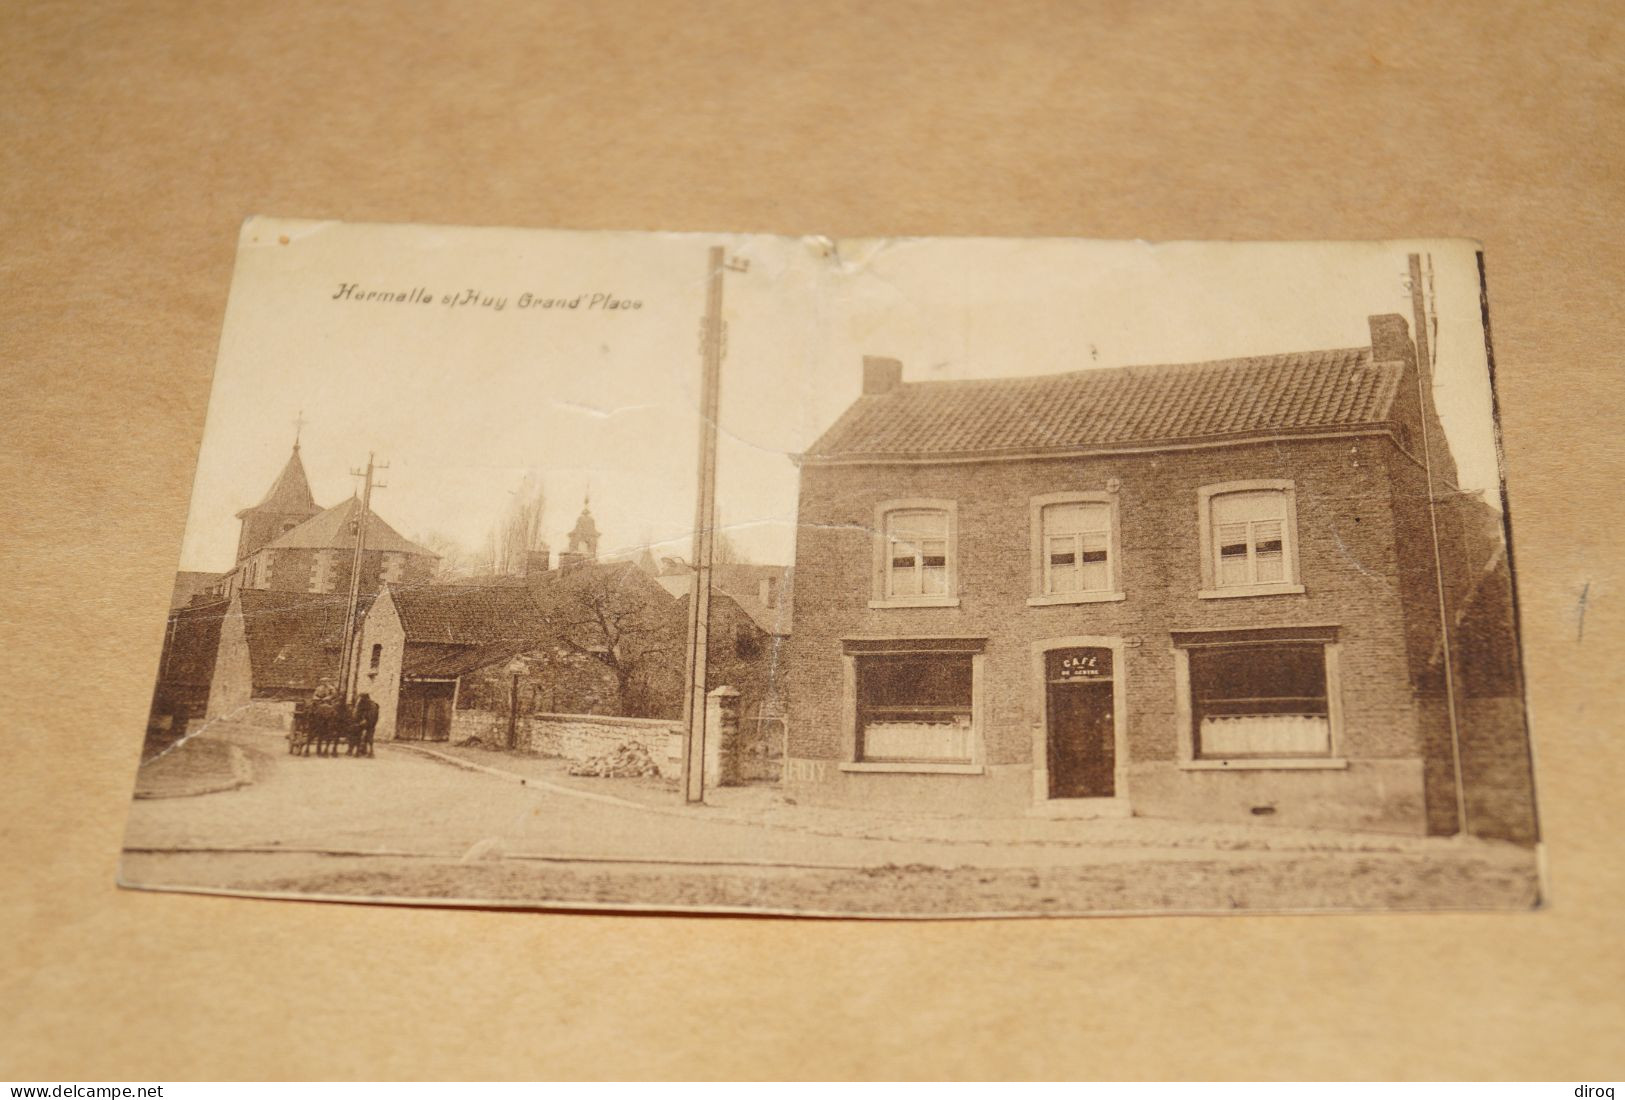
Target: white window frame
column 1038, row 542
column 881, row 596
column 1185, row 733
column 1290, row 584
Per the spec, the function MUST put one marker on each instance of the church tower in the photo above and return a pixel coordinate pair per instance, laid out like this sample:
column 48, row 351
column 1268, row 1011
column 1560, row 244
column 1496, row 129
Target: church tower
column 583, row 544
column 286, row 506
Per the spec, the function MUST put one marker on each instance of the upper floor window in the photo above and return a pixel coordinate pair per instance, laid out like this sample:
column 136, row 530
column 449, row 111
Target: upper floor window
column 1249, row 539
column 915, row 550
column 1074, row 540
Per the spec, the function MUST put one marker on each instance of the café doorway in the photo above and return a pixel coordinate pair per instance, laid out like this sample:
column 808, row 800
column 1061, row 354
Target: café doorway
column 1078, row 750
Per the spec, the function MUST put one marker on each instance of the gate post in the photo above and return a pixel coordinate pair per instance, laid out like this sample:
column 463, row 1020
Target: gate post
column 722, row 737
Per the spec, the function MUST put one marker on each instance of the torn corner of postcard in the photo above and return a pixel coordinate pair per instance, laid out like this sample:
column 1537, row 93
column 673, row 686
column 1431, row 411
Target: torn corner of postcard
column 725, row 573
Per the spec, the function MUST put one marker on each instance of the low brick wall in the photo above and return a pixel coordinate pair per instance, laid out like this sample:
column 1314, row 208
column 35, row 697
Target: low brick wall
column 583, row 736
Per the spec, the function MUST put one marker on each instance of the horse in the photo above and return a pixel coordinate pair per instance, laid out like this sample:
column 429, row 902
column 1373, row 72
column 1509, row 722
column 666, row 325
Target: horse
column 329, row 724
column 300, row 734
column 363, row 721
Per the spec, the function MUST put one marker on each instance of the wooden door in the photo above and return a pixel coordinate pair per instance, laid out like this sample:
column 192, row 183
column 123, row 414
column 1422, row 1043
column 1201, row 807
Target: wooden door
column 424, row 713
column 1081, row 723
column 437, row 712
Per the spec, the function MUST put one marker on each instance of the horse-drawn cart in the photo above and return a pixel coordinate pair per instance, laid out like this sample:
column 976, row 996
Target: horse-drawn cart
column 325, row 722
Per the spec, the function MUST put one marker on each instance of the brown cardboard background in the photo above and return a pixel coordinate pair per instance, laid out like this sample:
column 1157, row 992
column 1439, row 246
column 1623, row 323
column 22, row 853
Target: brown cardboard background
column 134, row 138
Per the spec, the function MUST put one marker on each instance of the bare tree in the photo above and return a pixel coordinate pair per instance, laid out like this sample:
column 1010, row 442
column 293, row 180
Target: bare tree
column 724, row 550
column 617, row 616
column 455, row 563
column 509, row 543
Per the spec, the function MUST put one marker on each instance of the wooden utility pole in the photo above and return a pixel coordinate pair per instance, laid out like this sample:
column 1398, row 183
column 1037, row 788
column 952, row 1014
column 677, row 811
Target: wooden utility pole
column 712, row 339
column 347, row 659
column 513, row 713
column 516, row 668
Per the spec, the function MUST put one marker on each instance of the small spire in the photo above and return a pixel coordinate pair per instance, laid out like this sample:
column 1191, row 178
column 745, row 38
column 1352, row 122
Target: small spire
column 299, row 423
column 584, row 535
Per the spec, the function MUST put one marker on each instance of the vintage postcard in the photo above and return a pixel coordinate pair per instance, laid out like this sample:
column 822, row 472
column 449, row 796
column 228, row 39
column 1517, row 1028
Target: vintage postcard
column 891, row 578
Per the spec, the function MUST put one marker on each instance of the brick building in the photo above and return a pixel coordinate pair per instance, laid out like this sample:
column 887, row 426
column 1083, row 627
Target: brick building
column 1202, row 591
column 292, row 570
column 418, row 642
column 287, row 543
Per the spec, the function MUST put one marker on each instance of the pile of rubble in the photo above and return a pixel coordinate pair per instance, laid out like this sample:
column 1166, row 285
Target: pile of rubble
column 626, row 760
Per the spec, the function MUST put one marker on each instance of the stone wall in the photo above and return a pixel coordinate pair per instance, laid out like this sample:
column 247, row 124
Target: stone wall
column 488, row 726
column 575, row 737
column 582, row 736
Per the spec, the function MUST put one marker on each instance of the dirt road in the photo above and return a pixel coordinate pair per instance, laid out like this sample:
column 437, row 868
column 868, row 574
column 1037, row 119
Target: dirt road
column 405, row 827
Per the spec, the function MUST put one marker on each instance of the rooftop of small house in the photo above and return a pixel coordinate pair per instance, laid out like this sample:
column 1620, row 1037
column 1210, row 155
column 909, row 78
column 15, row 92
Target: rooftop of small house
column 467, row 615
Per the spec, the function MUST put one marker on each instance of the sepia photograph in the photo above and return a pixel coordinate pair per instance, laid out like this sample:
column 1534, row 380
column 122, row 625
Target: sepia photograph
column 904, row 578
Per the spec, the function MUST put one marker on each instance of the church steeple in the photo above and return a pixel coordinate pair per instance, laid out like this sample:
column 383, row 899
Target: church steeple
column 286, row 504
column 584, row 535
column 583, row 545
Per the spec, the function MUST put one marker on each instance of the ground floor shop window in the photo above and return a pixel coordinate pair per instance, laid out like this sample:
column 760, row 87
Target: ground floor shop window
column 915, row 708
column 1265, row 698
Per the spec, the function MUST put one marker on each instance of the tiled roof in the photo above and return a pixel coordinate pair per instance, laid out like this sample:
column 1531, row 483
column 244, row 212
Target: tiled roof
column 427, row 659
column 294, row 638
column 741, row 582
column 468, row 615
column 332, row 528
column 771, row 618
column 1115, row 407
column 290, row 492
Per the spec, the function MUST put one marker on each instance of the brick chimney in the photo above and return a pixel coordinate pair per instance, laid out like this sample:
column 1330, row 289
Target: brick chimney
column 1391, row 339
column 536, row 562
column 881, row 375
